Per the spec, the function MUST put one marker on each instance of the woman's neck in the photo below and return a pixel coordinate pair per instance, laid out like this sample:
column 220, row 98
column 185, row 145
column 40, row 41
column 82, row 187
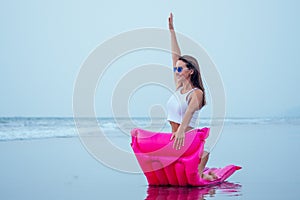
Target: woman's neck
column 186, row 86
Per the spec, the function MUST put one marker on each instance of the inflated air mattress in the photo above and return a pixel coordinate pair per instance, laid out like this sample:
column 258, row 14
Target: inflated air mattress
column 164, row 165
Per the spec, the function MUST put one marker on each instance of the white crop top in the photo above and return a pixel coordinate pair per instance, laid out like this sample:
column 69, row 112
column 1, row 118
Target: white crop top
column 177, row 106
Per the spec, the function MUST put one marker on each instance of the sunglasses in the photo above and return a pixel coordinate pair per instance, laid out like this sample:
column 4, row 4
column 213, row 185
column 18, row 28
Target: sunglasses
column 179, row 69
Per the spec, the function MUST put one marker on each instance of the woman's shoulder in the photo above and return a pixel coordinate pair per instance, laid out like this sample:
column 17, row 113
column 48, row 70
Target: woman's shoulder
column 196, row 93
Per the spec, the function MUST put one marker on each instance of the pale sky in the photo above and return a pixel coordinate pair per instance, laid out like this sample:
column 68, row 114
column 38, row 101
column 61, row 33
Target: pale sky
column 254, row 44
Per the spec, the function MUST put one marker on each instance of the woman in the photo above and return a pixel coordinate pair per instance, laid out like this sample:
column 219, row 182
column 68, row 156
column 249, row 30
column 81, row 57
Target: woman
column 189, row 97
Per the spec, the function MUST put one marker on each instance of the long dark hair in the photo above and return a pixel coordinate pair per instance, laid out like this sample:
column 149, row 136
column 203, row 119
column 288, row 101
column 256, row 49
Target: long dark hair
column 191, row 63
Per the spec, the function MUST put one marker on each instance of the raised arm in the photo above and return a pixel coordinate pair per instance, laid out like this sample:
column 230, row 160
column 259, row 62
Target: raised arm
column 174, row 44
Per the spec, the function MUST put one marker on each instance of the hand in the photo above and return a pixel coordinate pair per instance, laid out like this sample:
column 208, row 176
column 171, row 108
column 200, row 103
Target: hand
column 171, row 27
column 178, row 137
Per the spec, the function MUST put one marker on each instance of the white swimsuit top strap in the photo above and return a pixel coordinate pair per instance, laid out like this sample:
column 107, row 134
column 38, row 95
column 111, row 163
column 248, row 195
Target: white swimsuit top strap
column 189, row 92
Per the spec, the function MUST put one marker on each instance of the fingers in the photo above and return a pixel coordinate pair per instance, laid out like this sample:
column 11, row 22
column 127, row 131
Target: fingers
column 178, row 143
column 171, row 22
column 172, row 136
column 182, row 142
column 175, row 144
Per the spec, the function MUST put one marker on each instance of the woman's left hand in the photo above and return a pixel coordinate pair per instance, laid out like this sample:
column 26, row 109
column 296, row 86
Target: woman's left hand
column 178, row 137
column 171, row 26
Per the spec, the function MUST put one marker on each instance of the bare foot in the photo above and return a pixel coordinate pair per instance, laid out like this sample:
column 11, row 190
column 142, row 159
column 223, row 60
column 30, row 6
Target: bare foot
column 213, row 175
column 207, row 177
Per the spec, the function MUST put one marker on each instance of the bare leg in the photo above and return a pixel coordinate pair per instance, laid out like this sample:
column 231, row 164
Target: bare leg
column 210, row 176
column 204, row 159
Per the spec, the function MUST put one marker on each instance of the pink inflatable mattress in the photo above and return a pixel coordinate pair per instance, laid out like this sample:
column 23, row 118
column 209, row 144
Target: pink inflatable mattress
column 163, row 165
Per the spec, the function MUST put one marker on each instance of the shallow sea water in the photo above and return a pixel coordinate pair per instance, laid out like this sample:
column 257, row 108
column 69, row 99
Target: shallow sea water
column 61, row 168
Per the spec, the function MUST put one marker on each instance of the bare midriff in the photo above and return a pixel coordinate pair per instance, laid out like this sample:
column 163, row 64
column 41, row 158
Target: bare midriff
column 175, row 126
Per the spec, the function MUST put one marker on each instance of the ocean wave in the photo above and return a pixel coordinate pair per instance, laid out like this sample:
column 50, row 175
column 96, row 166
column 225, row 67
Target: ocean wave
column 42, row 128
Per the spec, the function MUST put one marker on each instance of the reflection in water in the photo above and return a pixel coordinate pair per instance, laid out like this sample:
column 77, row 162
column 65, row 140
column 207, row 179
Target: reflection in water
column 155, row 192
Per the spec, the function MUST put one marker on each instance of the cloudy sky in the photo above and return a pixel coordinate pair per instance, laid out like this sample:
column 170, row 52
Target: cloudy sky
column 254, row 44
